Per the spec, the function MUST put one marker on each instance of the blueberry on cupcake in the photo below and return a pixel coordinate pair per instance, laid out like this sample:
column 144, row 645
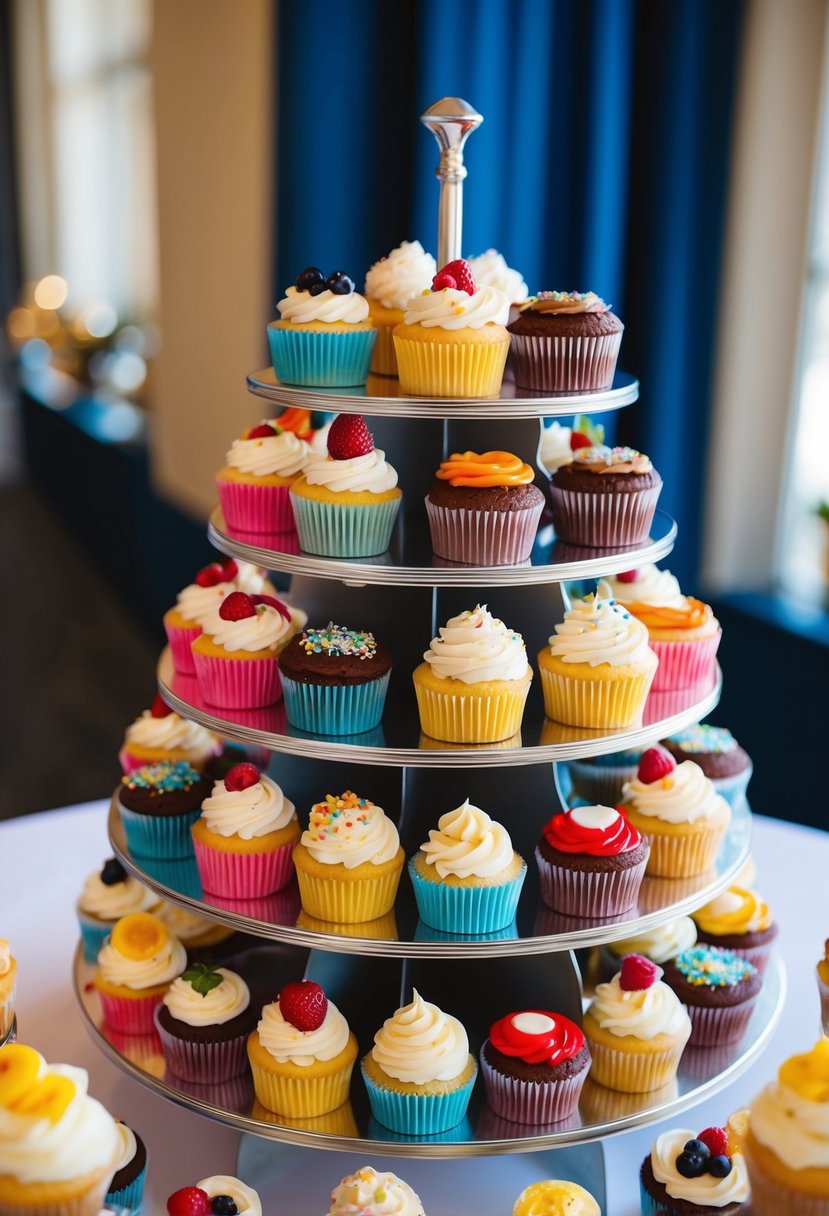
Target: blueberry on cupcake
column 324, row 336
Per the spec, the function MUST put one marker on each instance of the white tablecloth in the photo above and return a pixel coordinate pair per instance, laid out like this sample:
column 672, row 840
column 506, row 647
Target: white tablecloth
column 46, row 857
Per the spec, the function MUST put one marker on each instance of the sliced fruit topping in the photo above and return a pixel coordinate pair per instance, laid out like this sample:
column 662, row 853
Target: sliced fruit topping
column 139, row 936
column 737, row 1129
column 310, row 277
column 637, row 973
column 237, row 607
column 349, row 437
column 715, row 1140
column 628, row 576
column 19, row 1070
column 159, row 707
column 209, row 576
column 656, row 763
column 241, row 777
column 223, row 1205
column 45, row 1099
column 273, row 602
column 113, row 872
column 578, row 440
column 340, row 283
column 303, row 1003
column 457, row 274
column 189, row 1201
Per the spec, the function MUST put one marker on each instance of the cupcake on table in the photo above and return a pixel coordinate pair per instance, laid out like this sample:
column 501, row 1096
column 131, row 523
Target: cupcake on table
column 533, row 1066
column 604, row 498
column 695, row 1174
column 126, row 1188
column 555, row 1198
column 236, row 654
column 390, row 284
column 738, row 920
column 726, row 765
column 160, row 734
column 490, row 269
column 107, row 895
column 260, row 468
column 203, row 1021
column 324, row 336
column 369, row 1193
column 718, row 988
column 135, row 968
column 565, row 342
column 215, row 1196
column 591, row 862
column 8, row 985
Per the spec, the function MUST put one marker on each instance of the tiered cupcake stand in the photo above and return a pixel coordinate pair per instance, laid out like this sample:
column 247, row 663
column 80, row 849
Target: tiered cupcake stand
column 403, row 596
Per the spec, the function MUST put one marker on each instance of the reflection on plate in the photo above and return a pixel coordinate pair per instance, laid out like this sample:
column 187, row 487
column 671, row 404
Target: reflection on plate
column 382, row 929
column 340, row 1122
column 281, row 908
column 427, row 743
column 425, row 933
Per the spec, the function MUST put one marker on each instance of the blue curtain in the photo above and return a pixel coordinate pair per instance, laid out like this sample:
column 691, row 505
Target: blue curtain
column 602, row 165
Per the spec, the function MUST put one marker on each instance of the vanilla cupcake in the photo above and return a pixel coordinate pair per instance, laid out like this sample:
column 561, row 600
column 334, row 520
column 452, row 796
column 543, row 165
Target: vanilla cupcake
column 236, row 654
column 195, row 602
column 686, row 1174
column 467, row 878
column 324, row 336
column 218, row 1193
column 260, row 468
column 368, row 1193
column 491, row 270
column 390, row 283
column 8, row 985
column 107, row 895
column 135, row 968
column 160, row 734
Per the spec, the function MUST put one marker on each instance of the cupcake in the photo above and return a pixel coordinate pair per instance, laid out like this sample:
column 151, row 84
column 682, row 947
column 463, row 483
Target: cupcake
column 677, row 810
column 565, row 342
column 302, row 1053
column 659, row 945
column 126, row 1188
column 419, row 1073
column 204, row 940
column 335, row 680
column 474, row 681
column 244, row 839
column 591, row 862
column 684, row 633
column 719, row 990
column 236, row 654
column 453, row 340
column 466, row 877
column 554, row 1198
column 346, row 502
column 636, row 1029
column 135, row 968
column 390, row 284
column 533, row 1066
column 348, row 861
column 558, row 443
column 690, row 1175
column 158, row 805
column 218, row 1193
column 107, row 895
column 203, row 1021
column 484, row 510
column 367, row 1193
column 738, row 920
column 598, row 669
column 822, row 974
column 8, row 984
column 604, row 498
column 160, row 734
column 324, row 336
column 58, row 1147
column 599, row 779
column 787, row 1140
column 254, row 482
column 491, row 270
column 201, row 598
column 718, row 754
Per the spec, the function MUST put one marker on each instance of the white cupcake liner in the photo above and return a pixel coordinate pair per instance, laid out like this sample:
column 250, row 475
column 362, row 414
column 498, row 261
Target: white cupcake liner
column 534, row 1102
column 564, row 364
column 589, row 893
column 603, row 521
column 716, row 1025
column 483, row 538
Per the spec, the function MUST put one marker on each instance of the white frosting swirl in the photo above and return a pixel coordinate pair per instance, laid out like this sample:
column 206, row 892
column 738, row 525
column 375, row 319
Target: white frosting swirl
column 351, row 836
column 555, row 447
column 597, row 630
column 794, row 1128
column 682, row 796
column 300, row 307
column 368, row 1193
column 246, row 1199
column 195, row 603
column 259, row 809
column 302, row 1047
column 658, row 588
column 161, row 968
column 129, row 1146
column 114, row 901
column 83, row 1140
column 284, row 454
column 659, row 944
column 475, row 646
column 421, row 1043
column 395, row 279
column 491, row 270
column 645, row 1013
column 361, row 474
column 468, row 843
column 263, row 631
column 5, row 957
column 172, row 732
column 452, row 309
column 707, row 1191
column 221, row 1004
column 319, row 440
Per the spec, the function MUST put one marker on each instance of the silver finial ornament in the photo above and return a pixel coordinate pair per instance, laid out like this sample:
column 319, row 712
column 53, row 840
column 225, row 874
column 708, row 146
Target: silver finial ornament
column 451, row 120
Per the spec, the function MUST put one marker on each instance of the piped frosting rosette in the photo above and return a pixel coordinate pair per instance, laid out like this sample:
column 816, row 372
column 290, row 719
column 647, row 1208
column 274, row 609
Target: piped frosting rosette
column 390, row 283
column 467, row 878
column 203, row 1022
column 660, row 944
column 107, row 895
column 324, row 339
column 199, row 599
column 533, row 1066
column 369, row 1193
column 706, row 1191
column 419, row 1074
column 591, row 862
column 245, row 1197
column 490, row 269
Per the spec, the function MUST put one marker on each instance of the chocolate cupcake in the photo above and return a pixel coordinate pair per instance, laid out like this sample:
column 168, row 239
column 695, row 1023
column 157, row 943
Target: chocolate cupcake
column 605, row 497
column 565, row 342
column 534, row 1065
column 591, row 862
column 738, row 920
column 718, row 988
column 689, row 1174
column 727, row 765
column 158, row 804
column 204, row 1022
column 126, row 1189
column 334, row 680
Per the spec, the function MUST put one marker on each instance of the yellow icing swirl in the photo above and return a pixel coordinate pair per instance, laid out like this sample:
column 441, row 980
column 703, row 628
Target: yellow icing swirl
column 807, row 1074
column 735, row 911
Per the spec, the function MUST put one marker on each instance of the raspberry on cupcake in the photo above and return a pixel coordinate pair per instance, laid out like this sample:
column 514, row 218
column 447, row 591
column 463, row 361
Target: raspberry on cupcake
column 565, row 342
column 218, row 1195
column 260, row 468
column 324, row 336
column 236, row 654
column 688, row 1174
column 605, row 497
column 533, row 1066
column 591, row 862
column 335, row 680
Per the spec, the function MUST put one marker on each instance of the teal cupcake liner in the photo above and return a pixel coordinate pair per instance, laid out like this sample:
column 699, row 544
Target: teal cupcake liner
column 651, row 1206
column 419, row 1114
column 323, row 360
column 163, row 837
column 342, row 709
column 93, row 936
column 179, row 874
column 343, row 530
column 129, row 1196
column 468, row 910
column 733, row 789
column 461, row 1133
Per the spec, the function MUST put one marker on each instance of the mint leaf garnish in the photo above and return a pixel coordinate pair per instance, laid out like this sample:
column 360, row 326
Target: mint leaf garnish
column 203, row 977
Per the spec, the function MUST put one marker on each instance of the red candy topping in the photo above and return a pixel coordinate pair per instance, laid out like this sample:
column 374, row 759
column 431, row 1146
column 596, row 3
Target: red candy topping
column 263, row 431
column 716, row 1141
column 189, row 1201
column 349, row 437
column 579, row 440
column 570, row 832
column 303, row 1004
column 457, row 275
column 209, row 576
column 273, row 602
column 656, row 763
column 628, row 576
column 237, row 607
column 241, row 777
column 159, row 707
column 637, row 973
column 537, row 1036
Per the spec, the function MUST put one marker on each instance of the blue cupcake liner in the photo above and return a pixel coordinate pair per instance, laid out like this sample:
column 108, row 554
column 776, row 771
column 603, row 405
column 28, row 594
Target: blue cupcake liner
column 324, row 360
column 181, row 875
column 419, row 1114
column 733, row 789
column 164, row 837
column 342, row 529
column 343, row 709
column 467, row 910
column 129, row 1196
column 93, row 936
column 651, row 1206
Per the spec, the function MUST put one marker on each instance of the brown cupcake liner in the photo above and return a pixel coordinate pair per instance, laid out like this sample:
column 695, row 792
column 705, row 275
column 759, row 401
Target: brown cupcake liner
column 530, row 1101
column 717, row 1025
column 483, row 538
column 589, row 893
column 603, row 521
column 206, row 1063
column 564, row 364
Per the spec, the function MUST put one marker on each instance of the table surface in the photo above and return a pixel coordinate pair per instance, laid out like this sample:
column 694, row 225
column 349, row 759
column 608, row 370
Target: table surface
column 47, row 856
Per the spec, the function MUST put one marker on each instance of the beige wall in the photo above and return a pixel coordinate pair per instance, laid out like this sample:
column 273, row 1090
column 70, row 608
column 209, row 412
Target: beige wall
column 213, row 69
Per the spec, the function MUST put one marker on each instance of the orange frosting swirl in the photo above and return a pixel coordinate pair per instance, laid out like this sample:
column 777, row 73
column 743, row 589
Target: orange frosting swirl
column 486, row 469
column 694, row 615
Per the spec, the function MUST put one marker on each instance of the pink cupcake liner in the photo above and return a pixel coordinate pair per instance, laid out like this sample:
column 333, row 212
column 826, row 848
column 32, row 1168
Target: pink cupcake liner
column 684, row 664
column 564, row 364
column 181, row 641
column 531, row 1102
column 483, row 538
column 130, row 1015
column 244, row 875
column 715, row 1025
column 589, row 893
column 238, row 683
column 603, row 521
column 281, row 908
column 203, row 1062
column 252, row 508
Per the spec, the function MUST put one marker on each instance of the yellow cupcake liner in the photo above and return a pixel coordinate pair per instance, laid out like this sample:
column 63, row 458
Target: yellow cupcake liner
column 468, row 716
column 384, row 360
column 680, row 856
column 457, row 369
column 339, row 1122
column 595, row 702
column 629, row 1071
column 323, row 1090
column 347, row 900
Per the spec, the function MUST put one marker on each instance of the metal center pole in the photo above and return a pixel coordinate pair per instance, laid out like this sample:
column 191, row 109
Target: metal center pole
column 451, row 120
